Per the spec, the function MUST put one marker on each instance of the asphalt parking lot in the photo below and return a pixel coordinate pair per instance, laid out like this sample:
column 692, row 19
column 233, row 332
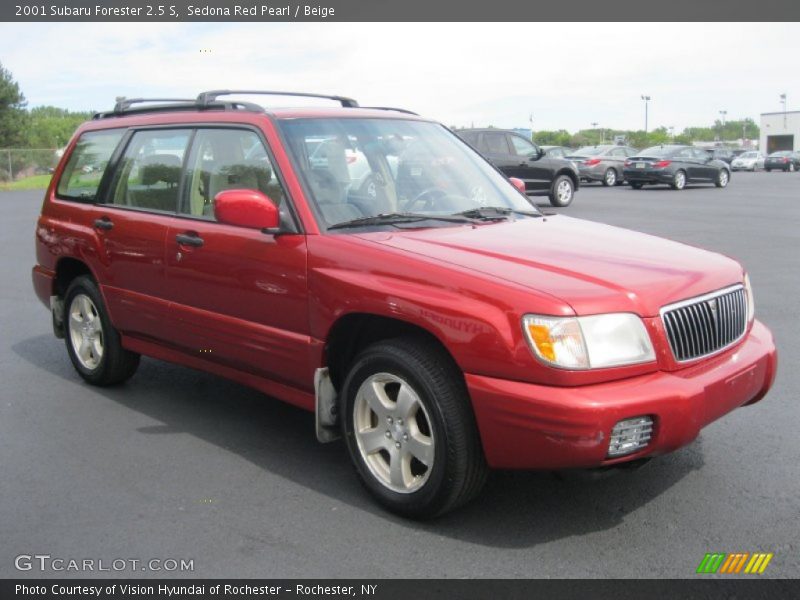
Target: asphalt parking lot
column 181, row 464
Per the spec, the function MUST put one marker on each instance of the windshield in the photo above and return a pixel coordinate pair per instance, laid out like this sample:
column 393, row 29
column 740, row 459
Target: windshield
column 749, row 155
column 361, row 168
column 590, row 150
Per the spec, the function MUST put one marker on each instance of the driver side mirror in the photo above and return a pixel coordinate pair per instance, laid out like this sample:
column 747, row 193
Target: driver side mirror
column 247, row 208
column 538, row 154
column 517, row 183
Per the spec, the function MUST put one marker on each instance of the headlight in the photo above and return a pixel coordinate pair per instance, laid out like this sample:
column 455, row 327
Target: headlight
column 751, row 304
column 591, row 342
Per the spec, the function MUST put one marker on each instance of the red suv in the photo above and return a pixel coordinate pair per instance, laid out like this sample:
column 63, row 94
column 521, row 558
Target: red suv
column 369, row 266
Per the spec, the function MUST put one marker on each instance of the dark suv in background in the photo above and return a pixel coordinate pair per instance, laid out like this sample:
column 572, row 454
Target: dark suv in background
column 517, row 157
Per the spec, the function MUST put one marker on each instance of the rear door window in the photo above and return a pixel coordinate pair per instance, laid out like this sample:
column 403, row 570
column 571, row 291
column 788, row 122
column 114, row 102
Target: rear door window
column 87, row 164
column 149, row 174
column 496, row 143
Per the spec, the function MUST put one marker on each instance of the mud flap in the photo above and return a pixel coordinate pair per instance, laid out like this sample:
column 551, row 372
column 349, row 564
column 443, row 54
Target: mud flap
column 325, row 415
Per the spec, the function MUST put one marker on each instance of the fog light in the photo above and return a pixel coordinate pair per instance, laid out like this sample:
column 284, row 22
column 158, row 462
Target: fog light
column 629, row 436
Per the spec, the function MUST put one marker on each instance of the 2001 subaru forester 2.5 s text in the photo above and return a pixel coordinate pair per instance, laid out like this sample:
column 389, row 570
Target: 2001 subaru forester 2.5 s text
column 367, row 265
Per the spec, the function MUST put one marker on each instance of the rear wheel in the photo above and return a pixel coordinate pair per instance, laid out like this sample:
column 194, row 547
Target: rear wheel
column 722, row 178
column 562, row 191
column 93, row 344
column 678, row 180
column 610, row 177
column 409, row 428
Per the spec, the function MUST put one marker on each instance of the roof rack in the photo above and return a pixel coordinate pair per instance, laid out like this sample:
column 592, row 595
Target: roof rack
column 206, row 98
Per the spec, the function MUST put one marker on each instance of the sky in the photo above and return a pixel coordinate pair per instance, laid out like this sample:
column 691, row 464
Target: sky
column 566, row 75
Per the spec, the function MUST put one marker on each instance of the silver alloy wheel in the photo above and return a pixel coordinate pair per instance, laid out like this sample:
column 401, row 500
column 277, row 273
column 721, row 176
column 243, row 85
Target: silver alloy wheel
column 85, row 331
column 564, row 192
column 723, row 178
column 680, row 180
column 393, row 432
column 791, row 167
column 611, row 177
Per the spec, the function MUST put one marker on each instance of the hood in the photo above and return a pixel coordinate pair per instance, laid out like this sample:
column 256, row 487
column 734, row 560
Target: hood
column 593, row 267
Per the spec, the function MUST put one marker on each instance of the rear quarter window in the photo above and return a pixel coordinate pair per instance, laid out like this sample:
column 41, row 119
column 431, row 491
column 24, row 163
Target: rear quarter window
column 87, row 164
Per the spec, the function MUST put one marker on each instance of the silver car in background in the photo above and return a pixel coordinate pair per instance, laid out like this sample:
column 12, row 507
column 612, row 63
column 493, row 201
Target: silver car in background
column 748, row 161
column 601, row 163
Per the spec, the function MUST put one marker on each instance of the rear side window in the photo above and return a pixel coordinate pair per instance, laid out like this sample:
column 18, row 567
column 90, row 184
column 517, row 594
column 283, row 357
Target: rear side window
column 495, row 143
column 87, row 163
column 149, row 173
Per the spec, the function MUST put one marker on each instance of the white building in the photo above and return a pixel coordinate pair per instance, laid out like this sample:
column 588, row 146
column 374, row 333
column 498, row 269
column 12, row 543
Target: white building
column 780, row 131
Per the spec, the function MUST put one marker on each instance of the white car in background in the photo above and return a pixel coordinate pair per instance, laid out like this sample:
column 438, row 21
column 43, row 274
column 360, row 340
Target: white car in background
column 748, row 161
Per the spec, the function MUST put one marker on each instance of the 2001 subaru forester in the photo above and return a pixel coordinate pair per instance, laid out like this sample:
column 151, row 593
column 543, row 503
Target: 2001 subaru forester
column 368, row 265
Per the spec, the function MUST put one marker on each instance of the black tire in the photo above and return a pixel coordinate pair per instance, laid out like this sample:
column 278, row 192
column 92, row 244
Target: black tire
column 459, row 468
column 723, row 178
column 678, row 180
column 116, row 363
column 610, row 177
column 558, row 194
column 637, row 185
column 768, row 170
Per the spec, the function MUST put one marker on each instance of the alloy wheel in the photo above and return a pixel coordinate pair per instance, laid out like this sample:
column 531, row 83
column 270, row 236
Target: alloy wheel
column 393, row 432
column 86, row 331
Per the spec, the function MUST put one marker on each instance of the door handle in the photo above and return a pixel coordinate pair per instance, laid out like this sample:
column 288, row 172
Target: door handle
column 185, row 239
column 105, row 223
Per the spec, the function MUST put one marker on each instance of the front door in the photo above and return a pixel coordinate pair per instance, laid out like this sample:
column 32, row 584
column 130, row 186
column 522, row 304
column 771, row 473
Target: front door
column 240, row 295
column 535, row 170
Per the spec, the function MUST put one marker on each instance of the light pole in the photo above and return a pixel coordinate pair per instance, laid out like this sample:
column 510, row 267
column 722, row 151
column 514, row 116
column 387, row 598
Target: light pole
column 783, row 101
column 594, row 125
column 646, row 100
column 722, row 127
column 672, row 133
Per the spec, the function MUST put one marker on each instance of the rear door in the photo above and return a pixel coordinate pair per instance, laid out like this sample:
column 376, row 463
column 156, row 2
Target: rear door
column 239, row 295
column 132, row 220
column 494, row 146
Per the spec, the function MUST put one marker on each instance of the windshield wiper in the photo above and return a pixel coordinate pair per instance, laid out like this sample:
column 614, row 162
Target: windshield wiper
column 397, row 218
column 488, row 213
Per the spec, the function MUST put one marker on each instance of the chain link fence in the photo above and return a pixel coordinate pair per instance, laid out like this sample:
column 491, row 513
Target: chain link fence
column 19, row 163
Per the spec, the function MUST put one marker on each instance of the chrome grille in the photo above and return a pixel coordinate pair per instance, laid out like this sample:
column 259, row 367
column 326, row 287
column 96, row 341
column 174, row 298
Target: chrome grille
column 705, row 325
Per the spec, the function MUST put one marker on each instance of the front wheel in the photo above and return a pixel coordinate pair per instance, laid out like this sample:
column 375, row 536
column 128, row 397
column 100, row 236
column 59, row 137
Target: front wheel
column 409, row 428
column 678, row 180
column 610, row 178
column 722, row 178
column 562, row 191
column 93, row 344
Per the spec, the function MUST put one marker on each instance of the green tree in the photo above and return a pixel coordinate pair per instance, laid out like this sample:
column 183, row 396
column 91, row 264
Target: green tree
column 51, row 127
column 552, row 138
column 12, row 111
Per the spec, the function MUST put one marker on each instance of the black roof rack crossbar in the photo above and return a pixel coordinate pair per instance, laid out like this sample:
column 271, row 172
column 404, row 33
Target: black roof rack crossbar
column 206, row 98
column 124, row 104
column 402, row 110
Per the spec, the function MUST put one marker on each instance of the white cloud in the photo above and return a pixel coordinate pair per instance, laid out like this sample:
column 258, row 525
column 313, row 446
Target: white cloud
column 567, row 75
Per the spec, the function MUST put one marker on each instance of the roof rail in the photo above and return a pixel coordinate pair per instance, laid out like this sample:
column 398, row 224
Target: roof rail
column 124, row 104
column 402, row 110
column 206, row 98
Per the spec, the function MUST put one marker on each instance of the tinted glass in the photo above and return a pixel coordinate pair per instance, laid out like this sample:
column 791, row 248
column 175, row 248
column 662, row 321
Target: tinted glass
column 376, row 166
column 226, row 159
column 149, row 174
column 87, row 163
column 495, row 143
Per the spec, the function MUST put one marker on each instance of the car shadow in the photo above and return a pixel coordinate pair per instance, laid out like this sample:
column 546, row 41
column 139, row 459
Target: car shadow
column 517, row 509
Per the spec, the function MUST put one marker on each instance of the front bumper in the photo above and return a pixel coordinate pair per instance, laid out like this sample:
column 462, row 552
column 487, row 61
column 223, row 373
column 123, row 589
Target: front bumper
column 528, row 426
column 647, row 176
